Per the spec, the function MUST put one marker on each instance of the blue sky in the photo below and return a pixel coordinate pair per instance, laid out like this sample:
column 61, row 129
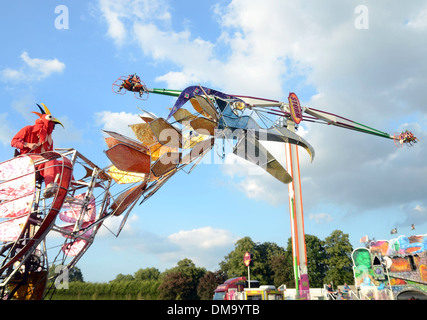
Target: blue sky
column 371, row 71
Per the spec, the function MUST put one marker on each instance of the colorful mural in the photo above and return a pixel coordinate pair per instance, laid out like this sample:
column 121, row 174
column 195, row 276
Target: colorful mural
column 398, row 264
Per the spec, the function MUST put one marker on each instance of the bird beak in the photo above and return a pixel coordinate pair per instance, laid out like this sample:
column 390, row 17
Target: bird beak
column 58, row 122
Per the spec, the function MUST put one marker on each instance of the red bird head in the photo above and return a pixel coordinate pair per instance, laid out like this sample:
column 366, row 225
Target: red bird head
column 46, row 120
column 45, row 124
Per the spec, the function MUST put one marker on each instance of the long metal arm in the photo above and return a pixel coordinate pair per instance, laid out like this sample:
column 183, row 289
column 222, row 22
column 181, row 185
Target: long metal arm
column 342, row 122
column 329, row 118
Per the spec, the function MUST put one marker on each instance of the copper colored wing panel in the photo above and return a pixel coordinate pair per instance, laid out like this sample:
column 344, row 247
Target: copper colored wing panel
column 144, row 133
column 197, row 107
column 182, row 115
column 125, row 140
column 207, row 107
column 111, row 142
column 122, row 202
column 124, row 177
column 101, row 174
column 166, row 163
column 204, row 126
column 158, row 150
column 126, row 158
column 89, row 172
column 146, row 119
column 165, row 133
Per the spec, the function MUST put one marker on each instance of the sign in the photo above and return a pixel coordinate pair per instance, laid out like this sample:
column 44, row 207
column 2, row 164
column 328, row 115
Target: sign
column 295, row 108
column 247, row 259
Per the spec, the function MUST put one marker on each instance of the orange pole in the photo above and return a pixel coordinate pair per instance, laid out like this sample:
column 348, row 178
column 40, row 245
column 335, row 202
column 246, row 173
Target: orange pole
column 299, row 249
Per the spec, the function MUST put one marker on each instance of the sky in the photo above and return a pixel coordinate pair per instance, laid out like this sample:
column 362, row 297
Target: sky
column 363, row 60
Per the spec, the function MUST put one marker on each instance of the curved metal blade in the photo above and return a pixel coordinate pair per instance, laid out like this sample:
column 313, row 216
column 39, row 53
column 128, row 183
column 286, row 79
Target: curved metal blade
column 250, row 148
column 281, row 134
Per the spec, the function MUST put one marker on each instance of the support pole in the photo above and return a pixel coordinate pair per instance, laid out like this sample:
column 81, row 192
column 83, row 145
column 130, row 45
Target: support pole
column 249, row 278
column 297, row 218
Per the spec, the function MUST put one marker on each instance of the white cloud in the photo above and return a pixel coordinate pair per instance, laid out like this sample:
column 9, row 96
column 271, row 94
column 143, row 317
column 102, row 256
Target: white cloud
column 176, row 79
column 116, row 28
column 44, row 67
column 117, row 121
column 34, row 69
column 420, row 208
column 118, row 13
column 254, row 181
column 320, row 217
column 203, row 238
column 420, row 20
column 10, row 74
column 205, row 246
column 193, row 56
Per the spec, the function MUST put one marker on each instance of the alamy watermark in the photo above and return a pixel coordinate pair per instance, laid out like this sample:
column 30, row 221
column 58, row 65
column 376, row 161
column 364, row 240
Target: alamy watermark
column 62, row 18
column 62, row 280
column 361, row 21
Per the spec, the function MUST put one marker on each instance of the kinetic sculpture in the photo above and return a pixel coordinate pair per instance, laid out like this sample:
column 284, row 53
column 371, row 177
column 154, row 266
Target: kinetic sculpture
column 77, row 208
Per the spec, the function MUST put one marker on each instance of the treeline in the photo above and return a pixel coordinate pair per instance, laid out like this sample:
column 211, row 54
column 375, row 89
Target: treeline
column 123, row 290
column 329, row 260
column 183, row 282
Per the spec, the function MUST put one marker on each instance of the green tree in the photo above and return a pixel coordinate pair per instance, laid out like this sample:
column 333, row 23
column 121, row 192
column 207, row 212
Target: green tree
column 190, row 276
column 147, row 274
column 263, row 255
column 316, row 254
column 176, row 286
column 208, row 283
column 316, row 261
column 338, row 249
column 75, row 274
column 282, row 270
column 123, row 277
column 233, row 264
column 267, row 252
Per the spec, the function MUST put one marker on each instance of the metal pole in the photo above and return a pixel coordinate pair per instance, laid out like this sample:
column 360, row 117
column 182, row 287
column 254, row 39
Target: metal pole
column 297, row 218
column 249, row 278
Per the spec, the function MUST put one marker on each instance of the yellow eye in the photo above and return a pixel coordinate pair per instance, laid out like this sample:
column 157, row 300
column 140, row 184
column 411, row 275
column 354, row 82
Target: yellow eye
column 239, row 105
